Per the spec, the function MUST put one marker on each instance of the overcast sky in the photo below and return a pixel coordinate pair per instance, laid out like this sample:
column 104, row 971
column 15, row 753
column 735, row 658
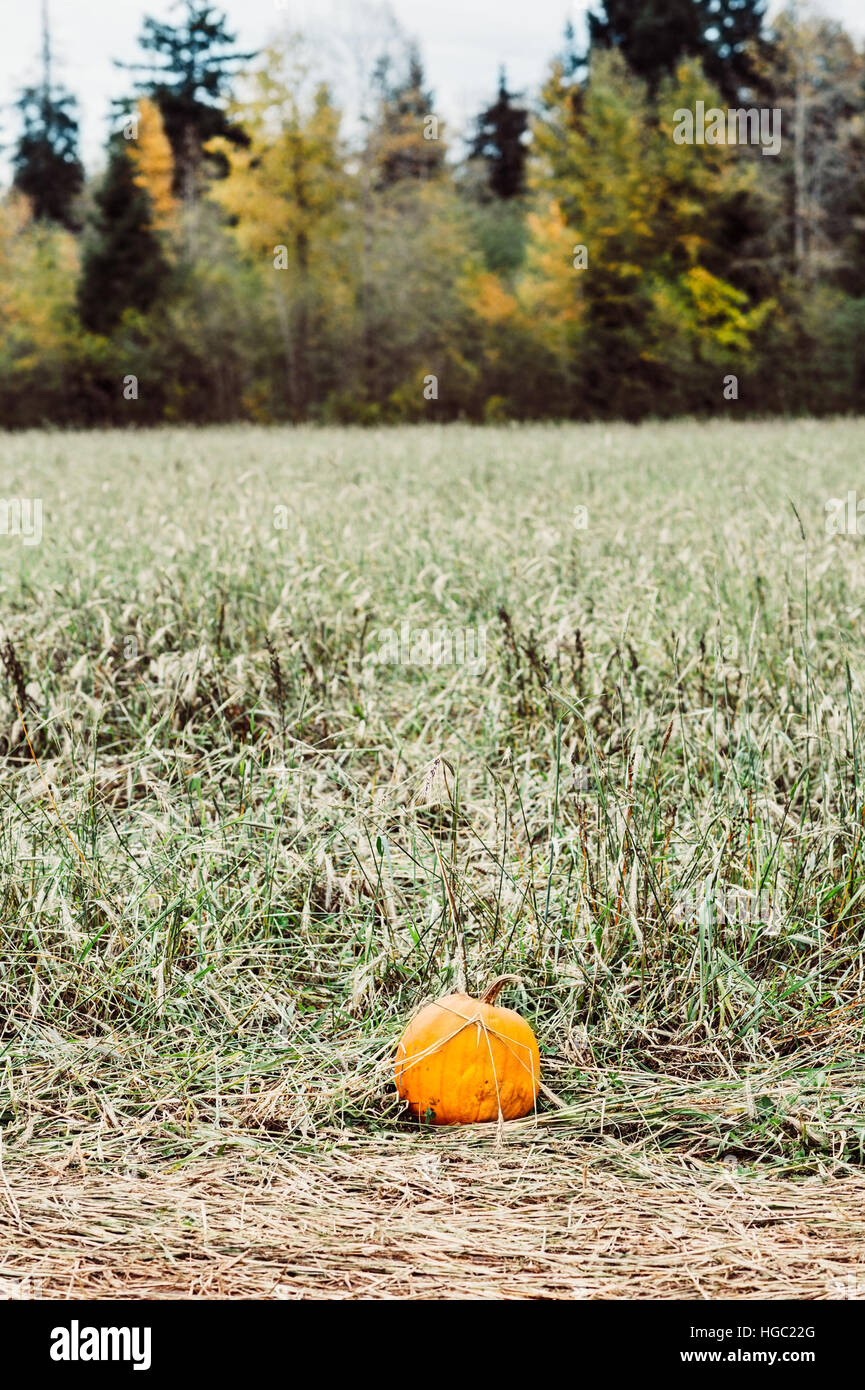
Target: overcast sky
column 463, row 42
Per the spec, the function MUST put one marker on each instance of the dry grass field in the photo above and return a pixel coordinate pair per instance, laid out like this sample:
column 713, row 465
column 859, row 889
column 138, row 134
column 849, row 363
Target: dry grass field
column 249, row 823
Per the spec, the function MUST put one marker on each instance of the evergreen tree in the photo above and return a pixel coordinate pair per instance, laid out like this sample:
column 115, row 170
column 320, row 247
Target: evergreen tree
column 651, row 308
column 499, row 141
column 123, row 266
column 654, row 35
column 405, row 144
column 45, row 163
column 189, row 80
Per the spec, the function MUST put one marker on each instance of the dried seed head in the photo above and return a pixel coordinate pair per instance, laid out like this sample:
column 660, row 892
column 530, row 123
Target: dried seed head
column 434, row 789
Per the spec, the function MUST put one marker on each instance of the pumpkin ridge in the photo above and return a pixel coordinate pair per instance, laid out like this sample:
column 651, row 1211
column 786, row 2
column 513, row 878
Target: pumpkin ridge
column 510, row 1044
column 494, row 1069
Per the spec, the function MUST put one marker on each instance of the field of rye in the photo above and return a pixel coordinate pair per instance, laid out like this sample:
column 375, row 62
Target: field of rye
column 252, row 818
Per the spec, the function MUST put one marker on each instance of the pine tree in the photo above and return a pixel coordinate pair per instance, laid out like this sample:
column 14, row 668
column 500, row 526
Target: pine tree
column 190, row 81
column 499, row 140
column 652, row 307
column 123, row 266
column 45, row 163
column 406, row 140
column 654, row 35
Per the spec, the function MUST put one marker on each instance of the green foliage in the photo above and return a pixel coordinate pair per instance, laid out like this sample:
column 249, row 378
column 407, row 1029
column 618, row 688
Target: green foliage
column 124, row 266
column 287, row 198
column 189, row 78
column 400, row 146
column 351, row 272
column 654, row 36
column 499, row 140
column 46, row 163
column 654, row 320
column 40, row 338
column 500, row 232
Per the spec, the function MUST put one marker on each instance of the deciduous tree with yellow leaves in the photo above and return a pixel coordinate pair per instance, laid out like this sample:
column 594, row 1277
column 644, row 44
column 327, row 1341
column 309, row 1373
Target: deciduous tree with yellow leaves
column 150, row 152
column 286, row 194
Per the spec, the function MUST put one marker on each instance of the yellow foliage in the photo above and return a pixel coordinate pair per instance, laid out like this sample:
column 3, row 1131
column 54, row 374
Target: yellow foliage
column 39, row 265
column 490, row 300
column 154, row 163
column 550, row 289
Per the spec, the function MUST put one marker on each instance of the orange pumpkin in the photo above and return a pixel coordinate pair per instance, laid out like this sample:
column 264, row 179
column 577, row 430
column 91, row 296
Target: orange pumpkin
column 461, row 1060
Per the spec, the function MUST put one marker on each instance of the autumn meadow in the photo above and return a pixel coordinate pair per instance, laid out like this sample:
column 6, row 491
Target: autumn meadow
column 428, row 557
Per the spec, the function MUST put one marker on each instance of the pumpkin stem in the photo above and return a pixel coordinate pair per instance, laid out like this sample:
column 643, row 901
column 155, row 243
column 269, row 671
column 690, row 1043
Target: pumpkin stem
column 491, row 993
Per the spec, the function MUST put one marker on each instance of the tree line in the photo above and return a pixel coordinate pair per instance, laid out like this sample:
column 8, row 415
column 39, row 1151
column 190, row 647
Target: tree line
column 253, row 250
